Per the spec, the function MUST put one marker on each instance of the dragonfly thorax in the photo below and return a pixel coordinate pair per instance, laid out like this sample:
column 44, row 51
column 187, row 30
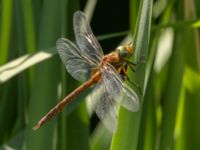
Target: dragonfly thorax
column 117, row 57
column 112, row 58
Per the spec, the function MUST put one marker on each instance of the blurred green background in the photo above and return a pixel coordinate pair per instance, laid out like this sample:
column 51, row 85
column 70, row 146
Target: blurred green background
column 33, row 78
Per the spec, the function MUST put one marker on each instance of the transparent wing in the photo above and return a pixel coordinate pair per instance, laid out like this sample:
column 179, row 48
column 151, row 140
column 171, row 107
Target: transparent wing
column 77, row 65
column 120, row 92
column 88, row 44
column 105, row 107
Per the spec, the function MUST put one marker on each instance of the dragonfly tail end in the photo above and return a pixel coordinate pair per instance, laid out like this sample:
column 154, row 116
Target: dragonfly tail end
column 37, row 126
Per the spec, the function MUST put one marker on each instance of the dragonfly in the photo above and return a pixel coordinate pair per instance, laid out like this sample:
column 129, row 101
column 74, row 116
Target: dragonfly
column 86, row 62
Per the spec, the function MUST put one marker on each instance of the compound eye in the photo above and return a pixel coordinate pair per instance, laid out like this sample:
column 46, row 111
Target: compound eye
column 124, row 53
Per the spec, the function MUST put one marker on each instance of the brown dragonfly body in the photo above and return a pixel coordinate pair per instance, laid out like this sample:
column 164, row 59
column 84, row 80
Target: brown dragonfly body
column 87, row 63
column 112, row 58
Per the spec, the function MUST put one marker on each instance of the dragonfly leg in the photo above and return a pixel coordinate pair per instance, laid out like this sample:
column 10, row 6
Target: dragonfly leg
column 119, row 69
column 125, row 77
column 136, row 66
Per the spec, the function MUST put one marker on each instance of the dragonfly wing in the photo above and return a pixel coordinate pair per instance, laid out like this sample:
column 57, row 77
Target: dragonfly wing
column 130, row 99
column 88, row 44
column 106, row 108
column 77, row 65
column 120, row 91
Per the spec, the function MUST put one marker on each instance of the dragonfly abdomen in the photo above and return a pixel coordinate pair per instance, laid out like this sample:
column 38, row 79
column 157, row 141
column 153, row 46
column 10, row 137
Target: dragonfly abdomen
column 94, row 79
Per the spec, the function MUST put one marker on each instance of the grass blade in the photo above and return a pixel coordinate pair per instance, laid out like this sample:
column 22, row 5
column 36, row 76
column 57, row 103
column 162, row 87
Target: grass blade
column 46, row 78
column 129, row 123
column 5, row 28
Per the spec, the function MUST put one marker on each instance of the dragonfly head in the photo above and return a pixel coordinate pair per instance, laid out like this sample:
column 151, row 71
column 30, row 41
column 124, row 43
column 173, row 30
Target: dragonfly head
column 124, row 51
